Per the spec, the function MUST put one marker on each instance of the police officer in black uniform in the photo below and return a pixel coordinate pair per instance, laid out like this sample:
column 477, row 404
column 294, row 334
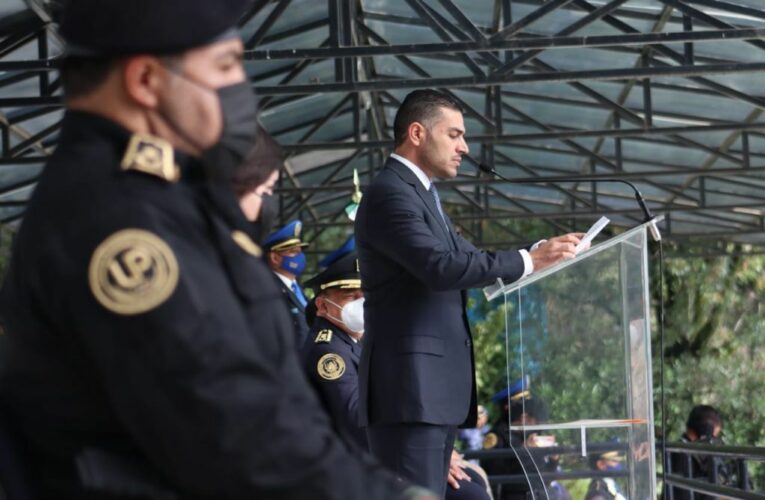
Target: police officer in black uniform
column 333, row 349
column 519, row 407
column 285, row 257
column 148, row 351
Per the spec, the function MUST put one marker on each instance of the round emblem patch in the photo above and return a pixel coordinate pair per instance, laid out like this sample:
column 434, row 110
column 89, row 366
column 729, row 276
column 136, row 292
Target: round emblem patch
column 331, row 366
column 490, row 441
column 132, row 271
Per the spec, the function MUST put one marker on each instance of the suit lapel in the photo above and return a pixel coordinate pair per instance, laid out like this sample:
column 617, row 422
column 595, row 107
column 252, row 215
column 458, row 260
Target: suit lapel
column 291, row 295
column 427, row 198
column 452, row 232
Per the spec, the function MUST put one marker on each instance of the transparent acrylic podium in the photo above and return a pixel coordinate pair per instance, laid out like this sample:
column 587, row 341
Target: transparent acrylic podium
column 579, row 334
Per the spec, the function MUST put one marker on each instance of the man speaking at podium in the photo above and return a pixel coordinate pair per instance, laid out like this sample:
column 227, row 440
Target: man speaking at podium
column 417, row 380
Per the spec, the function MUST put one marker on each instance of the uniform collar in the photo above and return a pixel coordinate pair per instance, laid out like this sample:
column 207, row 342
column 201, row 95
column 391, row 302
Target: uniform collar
column 338, row 332
column 78, row 126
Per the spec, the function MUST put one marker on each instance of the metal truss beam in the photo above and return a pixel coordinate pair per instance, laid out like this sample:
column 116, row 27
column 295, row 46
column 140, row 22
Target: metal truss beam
column 499, row 214
column 491, row 60
column 563, row 76
column 544, row 136
column 540, row 43
column 466, row 180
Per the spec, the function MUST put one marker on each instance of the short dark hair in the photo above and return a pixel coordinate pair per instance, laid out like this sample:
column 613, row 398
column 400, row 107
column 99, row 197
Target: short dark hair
column 264, row 158
column 82, row 75
column 420, row 106
column 703, row 419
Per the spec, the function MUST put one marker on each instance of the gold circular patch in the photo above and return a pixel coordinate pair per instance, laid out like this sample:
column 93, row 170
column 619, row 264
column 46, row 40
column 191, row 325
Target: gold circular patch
column 132, row 271
column 331, row 366
column 490, row 441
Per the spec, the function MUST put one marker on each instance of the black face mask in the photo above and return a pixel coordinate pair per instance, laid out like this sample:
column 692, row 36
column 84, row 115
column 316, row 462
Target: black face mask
column 269, row 209
column 239, row 113
column 239, row 109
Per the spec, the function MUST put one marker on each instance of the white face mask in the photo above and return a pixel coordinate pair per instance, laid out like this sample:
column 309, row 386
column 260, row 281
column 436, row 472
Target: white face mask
column 352, row 314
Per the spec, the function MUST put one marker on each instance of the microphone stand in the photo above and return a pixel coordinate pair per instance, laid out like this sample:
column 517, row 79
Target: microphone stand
column 649, row 218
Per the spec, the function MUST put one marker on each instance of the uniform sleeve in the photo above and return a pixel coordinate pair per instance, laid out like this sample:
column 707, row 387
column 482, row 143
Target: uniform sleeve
column 397, row 229
column 340, row 391
column 208, row 388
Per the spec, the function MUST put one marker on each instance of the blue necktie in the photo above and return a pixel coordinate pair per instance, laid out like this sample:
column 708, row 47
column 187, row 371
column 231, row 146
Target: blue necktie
column 299, row 294
column 434, row 192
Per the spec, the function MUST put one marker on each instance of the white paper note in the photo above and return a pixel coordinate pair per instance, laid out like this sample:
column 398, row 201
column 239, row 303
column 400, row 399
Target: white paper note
column 592, row 233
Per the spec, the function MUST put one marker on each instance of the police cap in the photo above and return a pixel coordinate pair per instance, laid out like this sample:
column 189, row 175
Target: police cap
column 122, row 27
column 342, row 273
column 514, row 392
column 285, row 237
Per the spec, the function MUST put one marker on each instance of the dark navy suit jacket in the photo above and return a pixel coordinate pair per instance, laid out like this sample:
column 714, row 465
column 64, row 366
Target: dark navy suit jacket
column 297, row 312
column 417, row 360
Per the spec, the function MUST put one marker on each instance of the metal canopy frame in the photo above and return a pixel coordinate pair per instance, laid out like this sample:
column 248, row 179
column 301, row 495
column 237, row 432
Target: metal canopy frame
column 666, row 93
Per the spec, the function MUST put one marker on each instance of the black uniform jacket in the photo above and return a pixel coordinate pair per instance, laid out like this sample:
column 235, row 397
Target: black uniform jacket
column 417, row 361
column 332, row 364
column 147, row 347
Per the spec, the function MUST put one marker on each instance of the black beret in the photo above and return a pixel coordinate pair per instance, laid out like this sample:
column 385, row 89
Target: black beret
column 121, row 27
column 342, row 273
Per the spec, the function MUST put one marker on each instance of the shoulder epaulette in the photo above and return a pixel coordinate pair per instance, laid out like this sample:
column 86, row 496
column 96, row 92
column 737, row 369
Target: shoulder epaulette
column 151, row 155
column 324, row 336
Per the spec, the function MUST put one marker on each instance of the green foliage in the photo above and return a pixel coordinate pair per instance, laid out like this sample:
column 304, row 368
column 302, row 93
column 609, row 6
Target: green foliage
column 489, row 345
column 715, row 327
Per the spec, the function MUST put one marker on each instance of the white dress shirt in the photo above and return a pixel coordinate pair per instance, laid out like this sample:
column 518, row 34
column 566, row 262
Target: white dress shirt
column 288, row 282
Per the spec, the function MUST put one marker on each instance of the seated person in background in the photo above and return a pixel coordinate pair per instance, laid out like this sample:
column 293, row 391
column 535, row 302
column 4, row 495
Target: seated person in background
column 518, row 407
column 704, row 425
column 346, row 248
column 605, row 488
column 332, row 351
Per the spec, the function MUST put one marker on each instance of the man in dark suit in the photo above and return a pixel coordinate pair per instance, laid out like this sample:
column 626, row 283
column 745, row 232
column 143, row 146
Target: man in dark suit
column 417, row 381
column 285, row 257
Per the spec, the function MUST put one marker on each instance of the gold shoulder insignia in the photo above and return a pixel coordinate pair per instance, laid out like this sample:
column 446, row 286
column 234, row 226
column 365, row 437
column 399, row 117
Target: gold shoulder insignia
column 331, row 366
column 324, row 336
column 490, row 441
column 132, row 272
column 151, row 155
column 246, row 243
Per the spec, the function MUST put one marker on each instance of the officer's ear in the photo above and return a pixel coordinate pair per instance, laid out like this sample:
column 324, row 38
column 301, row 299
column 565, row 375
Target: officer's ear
column 275, row 259
column 321, row 306
column 144, row 78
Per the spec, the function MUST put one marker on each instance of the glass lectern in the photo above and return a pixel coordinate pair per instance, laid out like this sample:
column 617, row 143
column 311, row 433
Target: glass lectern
column 578, row 336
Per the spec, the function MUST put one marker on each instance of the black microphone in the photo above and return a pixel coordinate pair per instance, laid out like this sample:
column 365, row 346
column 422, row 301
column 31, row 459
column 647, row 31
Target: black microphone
column 649, row 218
